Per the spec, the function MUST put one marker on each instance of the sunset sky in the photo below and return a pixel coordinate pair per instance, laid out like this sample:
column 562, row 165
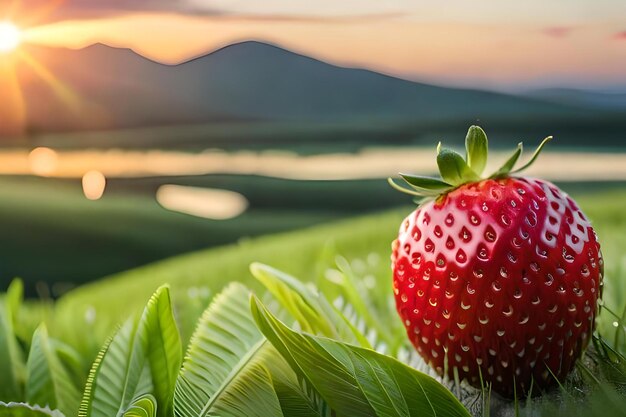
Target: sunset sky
column 479, row 43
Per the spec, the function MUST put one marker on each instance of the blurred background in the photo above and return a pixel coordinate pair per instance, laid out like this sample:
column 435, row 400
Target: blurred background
column 133, row 131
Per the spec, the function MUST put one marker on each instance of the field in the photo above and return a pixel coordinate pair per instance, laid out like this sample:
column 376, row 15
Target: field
column 306, row 254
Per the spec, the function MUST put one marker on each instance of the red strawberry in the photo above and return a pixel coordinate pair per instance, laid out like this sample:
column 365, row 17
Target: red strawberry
column 496, row 278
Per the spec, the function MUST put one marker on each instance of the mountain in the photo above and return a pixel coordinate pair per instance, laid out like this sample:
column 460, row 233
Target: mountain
column 101, row 87
column 583, row 98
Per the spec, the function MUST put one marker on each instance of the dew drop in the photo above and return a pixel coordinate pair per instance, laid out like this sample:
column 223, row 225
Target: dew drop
column 460, row 256
column 496, row 286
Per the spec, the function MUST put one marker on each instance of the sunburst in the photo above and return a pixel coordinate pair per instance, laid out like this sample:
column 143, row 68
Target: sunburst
column 14, row 54
column 10, row 37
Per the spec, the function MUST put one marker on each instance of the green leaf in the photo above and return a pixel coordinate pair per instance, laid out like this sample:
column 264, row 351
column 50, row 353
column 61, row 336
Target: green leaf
column 295, row 400
column 356, row 294
column 117, row 376
column 307, row 306
column 164, row 349
column 14, row 409
column 412, row 191
column 426, row 183
column 535, row 155
column 144, row 406
column 12, row 368
column 453, row 168
column 15, row 296
column 224, row 372
column 509, row 164
column 143, row 358
column 357, row 381
column 476, row 146
column 48, row 383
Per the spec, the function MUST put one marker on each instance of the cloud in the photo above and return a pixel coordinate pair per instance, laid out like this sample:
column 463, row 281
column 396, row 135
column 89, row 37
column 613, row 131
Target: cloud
column 620, row 36
column 558, row 31
column 47, row 11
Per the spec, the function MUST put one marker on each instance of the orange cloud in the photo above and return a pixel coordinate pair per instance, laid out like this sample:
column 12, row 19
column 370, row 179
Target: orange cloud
column 558, row 31
column 620, row 36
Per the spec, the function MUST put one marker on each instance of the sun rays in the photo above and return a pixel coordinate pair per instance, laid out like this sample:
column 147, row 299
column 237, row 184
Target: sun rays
column 16, row 22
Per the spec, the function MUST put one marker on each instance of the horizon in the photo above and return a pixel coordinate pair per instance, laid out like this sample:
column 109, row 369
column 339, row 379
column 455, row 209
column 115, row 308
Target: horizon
column 487, row 46
column 617, row 89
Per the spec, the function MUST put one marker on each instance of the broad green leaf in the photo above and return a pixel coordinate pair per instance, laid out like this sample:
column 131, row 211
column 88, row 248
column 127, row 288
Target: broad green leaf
column 453, row 168
column 14, row 409
column 357, row 381
column 143, row 358
column 48, row 383
column 164, row 349
column 12, row 368
column 297, row 400
column 15, row 296
column 476, row 146
column 506, row 168
column 310, row 309
column 359, row 298
column 117, row 376
column 71, row 361
column 224, row 372
column 144, row 406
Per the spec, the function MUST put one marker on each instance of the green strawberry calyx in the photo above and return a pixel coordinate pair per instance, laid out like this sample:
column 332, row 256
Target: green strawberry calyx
column 456, row 170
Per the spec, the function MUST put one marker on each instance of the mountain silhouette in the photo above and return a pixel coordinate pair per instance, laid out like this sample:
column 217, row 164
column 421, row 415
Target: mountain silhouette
column 102, row 87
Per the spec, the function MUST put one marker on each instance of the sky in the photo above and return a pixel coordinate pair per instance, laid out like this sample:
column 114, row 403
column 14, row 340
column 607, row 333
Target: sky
column 479, row 43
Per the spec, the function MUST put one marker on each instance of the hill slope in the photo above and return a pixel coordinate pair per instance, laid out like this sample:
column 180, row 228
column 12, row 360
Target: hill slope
column 305, row 254
column 104, row 87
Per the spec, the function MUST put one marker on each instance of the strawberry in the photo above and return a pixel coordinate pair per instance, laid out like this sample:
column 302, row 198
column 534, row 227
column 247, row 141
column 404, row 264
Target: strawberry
column 497, row 280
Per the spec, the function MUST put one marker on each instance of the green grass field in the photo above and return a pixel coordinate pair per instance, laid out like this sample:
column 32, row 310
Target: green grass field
column 306, row 254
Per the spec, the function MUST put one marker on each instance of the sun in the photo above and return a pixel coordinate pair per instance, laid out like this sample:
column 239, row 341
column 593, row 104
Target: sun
column 10, row 37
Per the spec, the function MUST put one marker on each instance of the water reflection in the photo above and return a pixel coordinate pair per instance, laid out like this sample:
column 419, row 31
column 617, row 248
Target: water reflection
column 43, row 161
column 94, row 184
column 369, row 163
column 202, row 202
